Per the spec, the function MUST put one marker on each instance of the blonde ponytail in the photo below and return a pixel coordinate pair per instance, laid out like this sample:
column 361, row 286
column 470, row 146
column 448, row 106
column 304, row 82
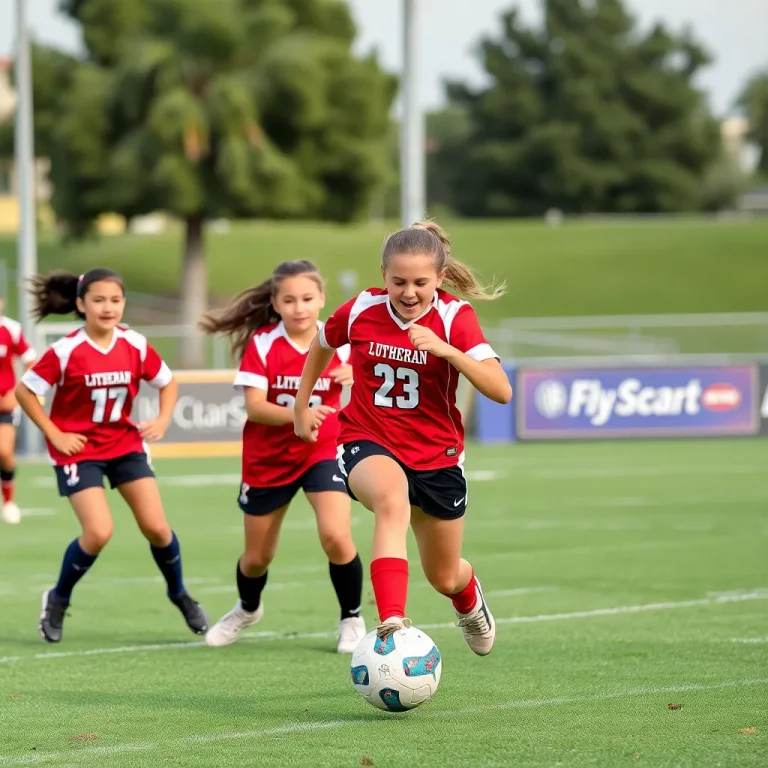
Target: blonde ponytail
column 430, row 238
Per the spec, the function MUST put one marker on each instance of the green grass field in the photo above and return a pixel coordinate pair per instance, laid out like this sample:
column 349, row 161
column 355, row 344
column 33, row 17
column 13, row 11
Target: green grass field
column 629, row 581
column 668, row 266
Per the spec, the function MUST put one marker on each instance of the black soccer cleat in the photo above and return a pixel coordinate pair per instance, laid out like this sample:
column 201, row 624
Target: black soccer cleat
column 52, row 618
column 193, row 612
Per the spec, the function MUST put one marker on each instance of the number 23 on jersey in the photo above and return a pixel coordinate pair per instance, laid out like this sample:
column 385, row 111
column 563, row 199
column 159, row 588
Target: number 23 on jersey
column 409, row 379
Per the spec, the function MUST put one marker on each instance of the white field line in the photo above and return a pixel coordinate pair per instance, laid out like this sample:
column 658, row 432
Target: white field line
column 750, row 640
column 479, row 557
column 589, row 473
column 517, row 591
column 487, row 475
column 233, row 480
column 417, row 584
column 759, row 594
column 41, row 512
column 310, row 726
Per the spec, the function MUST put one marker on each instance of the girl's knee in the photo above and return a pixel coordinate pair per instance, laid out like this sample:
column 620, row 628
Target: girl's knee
column 337, row 546
column 444, row 581
column 158, row 535
column 95, row 539
column 393, row 508
column 255, row 564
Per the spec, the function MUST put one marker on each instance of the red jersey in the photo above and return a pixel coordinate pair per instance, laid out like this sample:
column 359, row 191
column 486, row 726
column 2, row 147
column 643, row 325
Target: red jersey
column 272, row 454
column 95, row 389
column 404, row 399
column 12, row 345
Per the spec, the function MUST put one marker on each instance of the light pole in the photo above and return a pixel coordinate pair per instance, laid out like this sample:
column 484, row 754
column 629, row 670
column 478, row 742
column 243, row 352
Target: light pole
column 25, row 181
column 412, row 181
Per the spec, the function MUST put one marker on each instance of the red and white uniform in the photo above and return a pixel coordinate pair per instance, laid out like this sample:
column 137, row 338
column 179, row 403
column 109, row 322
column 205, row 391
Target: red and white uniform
column 272, row 454
column 95, row 389
column 404, row 399
column 12, row 345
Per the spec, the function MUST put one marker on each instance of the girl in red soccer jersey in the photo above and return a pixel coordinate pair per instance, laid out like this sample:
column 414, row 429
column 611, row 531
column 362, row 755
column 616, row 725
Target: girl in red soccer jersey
column 97, row 371
column 12, row 345
column 402, row 441
column 272, row 326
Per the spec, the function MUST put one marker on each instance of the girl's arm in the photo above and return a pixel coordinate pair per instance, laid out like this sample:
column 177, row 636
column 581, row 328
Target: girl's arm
column 486, row 376
column 260, row 411
column 66, row 443
column 306, row 421
column 154, row 429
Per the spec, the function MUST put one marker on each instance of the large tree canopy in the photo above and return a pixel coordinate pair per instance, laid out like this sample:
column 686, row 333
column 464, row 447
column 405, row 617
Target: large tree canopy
column 237, row 108
column 585, row 114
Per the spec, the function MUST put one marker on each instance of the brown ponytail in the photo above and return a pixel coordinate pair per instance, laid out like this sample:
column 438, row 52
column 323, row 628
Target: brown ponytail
column 57, row 293
column 429, row 238
column 252, row 309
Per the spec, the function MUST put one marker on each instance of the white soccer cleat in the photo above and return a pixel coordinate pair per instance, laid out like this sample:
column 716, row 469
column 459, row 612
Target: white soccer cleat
column 478, row 626
column 391, row 625
column 351, row 632
column 230, row 625
column 11, row 513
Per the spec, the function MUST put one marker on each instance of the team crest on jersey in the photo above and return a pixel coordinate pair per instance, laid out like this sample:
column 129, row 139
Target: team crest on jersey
column 3, row 350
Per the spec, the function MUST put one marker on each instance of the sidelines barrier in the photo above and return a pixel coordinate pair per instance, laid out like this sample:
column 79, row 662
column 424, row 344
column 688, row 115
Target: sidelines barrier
column 495, row 423
column 548, row 404
column 207, row 420
column 572, row 403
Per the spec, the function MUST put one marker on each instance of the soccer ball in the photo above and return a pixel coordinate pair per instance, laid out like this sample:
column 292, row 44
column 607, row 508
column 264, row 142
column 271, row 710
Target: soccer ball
column 399, row 673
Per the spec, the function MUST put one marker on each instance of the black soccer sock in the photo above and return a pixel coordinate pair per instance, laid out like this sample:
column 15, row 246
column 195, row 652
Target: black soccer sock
column 347, row 580
column 250, row 588
column 168, row 560
column 74, row 566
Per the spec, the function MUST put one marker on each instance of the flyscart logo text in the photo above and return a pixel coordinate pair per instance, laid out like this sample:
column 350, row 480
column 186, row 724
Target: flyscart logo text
column 598, row 403
column 632, row 401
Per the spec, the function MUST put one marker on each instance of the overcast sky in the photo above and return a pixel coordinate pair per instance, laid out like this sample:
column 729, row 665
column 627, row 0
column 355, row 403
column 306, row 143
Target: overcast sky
column 734, row 30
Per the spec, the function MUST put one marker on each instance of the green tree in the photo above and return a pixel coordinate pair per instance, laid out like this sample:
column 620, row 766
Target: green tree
column 583, row 114
column 447, row 130
column 754, row 102
column 53, row 73
column 233, row 108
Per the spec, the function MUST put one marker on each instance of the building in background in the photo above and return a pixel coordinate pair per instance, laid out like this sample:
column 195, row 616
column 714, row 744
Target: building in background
column 735, row 134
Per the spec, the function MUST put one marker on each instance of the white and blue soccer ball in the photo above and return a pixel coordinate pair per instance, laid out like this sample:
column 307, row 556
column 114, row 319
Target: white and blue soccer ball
column 398, row 673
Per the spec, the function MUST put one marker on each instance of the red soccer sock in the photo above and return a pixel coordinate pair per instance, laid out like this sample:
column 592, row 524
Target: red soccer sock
column 389, row 576
column 465, row 601
column 7, row 486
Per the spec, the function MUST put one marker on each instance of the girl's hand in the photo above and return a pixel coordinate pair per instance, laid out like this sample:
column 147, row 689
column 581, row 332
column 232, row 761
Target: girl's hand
column 343, row 375
column 307, row 422
column 153, row 430
column 426, row 340
column 68, row 443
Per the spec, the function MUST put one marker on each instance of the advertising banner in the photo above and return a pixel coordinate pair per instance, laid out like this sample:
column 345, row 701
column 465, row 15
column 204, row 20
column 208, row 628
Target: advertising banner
column 569, row 403
column 207, row 420
column 763, row 400
column 494, row 422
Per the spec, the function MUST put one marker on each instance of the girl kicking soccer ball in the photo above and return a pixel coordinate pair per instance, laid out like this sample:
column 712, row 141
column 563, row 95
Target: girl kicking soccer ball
column 401, row 445
column 272, row 327
column 97, row 371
